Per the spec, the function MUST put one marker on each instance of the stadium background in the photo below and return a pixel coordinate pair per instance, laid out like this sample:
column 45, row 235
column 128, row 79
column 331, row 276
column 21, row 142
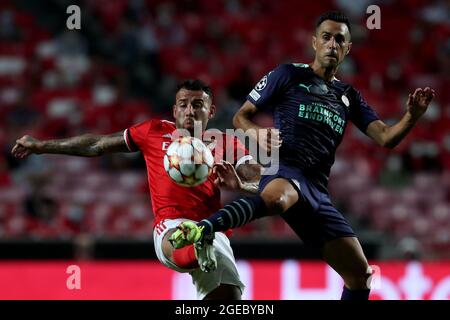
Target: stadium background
column 122, row 67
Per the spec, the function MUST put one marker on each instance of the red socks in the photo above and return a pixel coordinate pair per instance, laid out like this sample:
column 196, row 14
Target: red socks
column 185, row 257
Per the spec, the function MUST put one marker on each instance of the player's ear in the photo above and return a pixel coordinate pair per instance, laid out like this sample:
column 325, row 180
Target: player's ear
column 174, row 111
column 212, row 111
column 349, row 48
column 313, row 42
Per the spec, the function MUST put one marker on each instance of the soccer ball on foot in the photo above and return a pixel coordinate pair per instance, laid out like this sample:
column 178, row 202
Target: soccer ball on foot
column 188, row 162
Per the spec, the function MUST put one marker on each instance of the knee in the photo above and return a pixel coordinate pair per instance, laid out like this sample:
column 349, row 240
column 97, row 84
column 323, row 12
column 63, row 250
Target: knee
column 279, row 195
column 276, row 204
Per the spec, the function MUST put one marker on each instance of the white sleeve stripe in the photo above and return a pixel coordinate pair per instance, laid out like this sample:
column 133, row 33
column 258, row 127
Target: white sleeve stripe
column 125, row 137
column 242, row 160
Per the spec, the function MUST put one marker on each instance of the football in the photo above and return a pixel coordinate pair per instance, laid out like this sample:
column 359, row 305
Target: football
column 188, row 161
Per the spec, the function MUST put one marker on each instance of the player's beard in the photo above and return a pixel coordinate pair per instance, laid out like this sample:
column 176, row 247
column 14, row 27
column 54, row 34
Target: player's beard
column 193, row 125
column 329, row 62
column 189, row 123
column 185, row 125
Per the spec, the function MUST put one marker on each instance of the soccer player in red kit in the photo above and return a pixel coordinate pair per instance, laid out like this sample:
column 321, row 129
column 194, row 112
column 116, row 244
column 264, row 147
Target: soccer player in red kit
column 211, row 265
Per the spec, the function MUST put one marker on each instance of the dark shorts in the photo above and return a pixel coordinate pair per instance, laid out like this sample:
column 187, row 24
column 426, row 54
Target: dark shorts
column 313, row 218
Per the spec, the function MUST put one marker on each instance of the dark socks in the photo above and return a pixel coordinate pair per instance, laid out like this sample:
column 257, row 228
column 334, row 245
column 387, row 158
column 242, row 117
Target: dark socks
column 235, row 214
column 361, row 294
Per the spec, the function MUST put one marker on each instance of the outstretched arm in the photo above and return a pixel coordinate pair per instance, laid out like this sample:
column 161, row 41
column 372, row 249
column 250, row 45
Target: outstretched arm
column 87, row 145
column 390, row 136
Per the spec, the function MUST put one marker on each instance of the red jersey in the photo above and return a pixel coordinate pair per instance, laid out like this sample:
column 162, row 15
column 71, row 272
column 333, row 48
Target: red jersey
column 169, row 200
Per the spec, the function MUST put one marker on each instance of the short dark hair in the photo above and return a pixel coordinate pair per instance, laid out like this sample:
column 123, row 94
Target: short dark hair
column 195, row 85
column 334, row 16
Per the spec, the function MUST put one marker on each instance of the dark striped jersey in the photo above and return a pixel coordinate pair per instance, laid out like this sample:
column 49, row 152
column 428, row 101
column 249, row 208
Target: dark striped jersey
column 311, row 114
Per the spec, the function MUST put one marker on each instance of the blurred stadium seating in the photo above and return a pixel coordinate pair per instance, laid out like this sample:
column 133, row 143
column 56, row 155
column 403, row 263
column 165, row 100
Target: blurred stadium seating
column 122, row 67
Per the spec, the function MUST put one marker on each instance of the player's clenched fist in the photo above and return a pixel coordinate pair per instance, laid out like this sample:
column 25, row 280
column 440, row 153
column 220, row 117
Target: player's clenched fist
column 25, row 146
column 269, row 139
column 419, row 101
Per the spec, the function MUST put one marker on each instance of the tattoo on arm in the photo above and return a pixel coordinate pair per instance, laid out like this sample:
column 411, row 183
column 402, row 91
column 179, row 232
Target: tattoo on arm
column 87, row 145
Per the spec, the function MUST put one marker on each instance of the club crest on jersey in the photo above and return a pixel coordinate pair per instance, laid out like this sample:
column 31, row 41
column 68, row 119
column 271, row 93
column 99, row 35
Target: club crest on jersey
column 345, row 101
column 261, row 84
column 165, row 145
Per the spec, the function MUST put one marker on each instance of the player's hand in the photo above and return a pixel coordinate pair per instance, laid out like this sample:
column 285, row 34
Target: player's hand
column 419, row 101
column 269, row 139
column 25, row 146
column 227, row 176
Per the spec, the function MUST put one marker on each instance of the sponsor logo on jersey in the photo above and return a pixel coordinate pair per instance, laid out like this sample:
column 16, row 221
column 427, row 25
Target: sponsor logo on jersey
column 319, row 112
